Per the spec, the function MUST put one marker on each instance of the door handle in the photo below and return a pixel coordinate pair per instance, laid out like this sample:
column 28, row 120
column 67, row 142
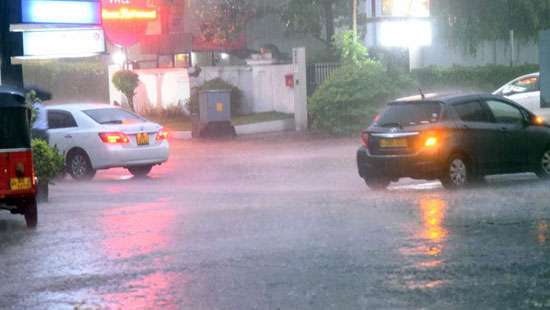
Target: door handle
column 68, row 136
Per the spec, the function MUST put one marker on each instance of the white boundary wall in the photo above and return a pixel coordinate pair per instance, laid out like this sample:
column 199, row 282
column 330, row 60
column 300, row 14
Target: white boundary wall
column 263, row 86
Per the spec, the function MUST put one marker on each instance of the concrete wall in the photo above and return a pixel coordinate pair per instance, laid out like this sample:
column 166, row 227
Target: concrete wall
column 263, row 87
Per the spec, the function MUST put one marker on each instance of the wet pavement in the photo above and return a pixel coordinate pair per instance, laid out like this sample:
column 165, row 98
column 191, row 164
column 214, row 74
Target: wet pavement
column 278, row 222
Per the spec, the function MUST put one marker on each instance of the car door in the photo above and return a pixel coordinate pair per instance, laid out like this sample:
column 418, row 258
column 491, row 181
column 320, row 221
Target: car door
column 478, row 134
column 61, row 125
column 511, row 124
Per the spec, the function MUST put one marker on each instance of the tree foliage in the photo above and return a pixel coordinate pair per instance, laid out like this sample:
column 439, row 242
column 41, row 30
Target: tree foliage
column 222, row 21
column 469, row 22
column 126, row 82
column 319, row 18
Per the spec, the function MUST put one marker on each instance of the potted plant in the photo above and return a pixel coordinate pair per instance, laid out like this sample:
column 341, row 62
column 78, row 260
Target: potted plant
column 48, row 163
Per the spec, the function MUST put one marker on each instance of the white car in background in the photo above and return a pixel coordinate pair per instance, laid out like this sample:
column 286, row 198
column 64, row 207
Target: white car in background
column 524, row 90
column 100, row 136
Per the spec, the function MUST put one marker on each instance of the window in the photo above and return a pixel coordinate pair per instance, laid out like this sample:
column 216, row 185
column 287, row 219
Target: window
column 525, row 85
column 472, row 111
column 404, row 114
column 505, row 113
column 113, row 116
column 60, row 119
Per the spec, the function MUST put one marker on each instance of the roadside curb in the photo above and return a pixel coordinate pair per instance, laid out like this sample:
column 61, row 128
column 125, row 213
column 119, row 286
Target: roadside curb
column 249, row 129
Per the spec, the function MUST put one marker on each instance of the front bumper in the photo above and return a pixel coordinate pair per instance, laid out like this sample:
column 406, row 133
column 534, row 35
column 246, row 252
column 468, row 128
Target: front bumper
column 424, row 165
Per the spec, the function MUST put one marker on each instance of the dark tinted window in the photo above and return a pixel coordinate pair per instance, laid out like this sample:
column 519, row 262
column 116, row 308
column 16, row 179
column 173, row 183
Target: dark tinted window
column 410, row 114
column 60, row 119
column 505, row 113
column 14, row 128
column 472, row 111
column 113, row 116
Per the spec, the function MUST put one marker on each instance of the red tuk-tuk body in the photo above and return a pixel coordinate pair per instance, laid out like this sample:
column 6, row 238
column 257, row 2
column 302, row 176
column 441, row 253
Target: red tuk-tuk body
column 17, row 181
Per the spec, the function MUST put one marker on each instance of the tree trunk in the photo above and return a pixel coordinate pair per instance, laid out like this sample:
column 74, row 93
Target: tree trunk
column 131, row 102
column 329, row 19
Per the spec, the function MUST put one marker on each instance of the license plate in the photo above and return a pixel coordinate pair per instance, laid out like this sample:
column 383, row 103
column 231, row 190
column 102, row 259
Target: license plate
column 393, row 143
column 18, row 184
column 142, row 138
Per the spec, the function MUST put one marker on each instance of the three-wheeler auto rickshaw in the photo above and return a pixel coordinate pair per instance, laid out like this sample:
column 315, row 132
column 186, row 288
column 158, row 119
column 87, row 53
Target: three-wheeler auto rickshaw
column 17, row 180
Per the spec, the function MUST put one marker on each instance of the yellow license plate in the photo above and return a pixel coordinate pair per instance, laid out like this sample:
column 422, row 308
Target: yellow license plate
column 20, row 184
column 393, row 143
column 142, row 138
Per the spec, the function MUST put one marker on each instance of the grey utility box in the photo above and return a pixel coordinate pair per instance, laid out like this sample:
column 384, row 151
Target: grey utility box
column 214, row 106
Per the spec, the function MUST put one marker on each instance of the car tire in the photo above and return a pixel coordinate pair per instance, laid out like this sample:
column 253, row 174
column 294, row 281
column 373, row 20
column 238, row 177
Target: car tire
column 377, row 184
column 140, row 171
column 457, row 173
column 30, row 212
column 543, row 170
column 79, row 166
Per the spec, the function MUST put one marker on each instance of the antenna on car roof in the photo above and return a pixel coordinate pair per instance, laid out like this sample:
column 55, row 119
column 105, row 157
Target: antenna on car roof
column 422, row 94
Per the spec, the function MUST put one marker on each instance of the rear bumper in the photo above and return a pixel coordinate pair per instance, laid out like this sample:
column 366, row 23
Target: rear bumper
column 117, row 156
column 418, row 166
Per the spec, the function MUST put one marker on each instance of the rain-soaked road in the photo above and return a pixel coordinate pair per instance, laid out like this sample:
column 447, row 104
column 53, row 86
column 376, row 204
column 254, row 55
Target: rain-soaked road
column 277, row 222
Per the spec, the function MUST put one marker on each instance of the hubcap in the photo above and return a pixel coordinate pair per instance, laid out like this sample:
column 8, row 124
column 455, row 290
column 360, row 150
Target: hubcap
column 79, row 166
column 458, row 172
column 545, row 163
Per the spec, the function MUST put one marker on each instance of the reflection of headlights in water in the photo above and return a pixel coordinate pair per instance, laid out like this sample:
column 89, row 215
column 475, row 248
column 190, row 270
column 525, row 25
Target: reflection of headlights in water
column 542, row 231
column 433, row 215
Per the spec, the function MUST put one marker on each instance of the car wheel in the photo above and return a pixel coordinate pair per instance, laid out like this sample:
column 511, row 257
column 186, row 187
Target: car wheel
column 79, row 166
column 140, row 171
column 543, row 170
column 457, row 173
column 377, row 184
column 31, row 214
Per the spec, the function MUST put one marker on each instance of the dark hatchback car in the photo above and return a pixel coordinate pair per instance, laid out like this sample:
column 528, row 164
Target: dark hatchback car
column 457, row 139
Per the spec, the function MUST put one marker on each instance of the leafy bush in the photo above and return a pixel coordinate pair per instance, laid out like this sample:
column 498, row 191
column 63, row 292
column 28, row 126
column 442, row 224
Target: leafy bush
column 48, row 162
column 126, row 82
column 353, row 94
column 481, row 78
column 217, row 84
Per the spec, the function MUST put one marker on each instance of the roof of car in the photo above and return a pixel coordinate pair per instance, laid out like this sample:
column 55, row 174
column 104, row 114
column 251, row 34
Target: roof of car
column 448, row 98
column 6, row 89
column 80, row 106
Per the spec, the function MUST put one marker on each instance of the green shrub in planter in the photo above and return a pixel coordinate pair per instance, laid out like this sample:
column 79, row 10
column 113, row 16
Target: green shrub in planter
column 48, row 162
column 217, row 84
column 347, row 101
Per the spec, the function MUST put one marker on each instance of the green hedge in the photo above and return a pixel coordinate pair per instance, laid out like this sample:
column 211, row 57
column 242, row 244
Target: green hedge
column 481, row 78
column 347, row 101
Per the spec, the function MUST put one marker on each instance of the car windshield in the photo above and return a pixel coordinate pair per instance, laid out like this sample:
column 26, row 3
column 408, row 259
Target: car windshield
column 405, row 114
column 113, row 116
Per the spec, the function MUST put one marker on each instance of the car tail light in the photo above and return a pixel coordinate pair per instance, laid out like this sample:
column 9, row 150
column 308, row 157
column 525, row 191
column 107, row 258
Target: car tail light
column 114, row 138
column 538, row 120
column 365, row 138
column 431, row 141
column 162, row 135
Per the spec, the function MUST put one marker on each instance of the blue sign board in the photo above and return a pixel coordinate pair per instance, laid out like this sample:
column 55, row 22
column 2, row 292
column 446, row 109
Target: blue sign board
column 83, row 12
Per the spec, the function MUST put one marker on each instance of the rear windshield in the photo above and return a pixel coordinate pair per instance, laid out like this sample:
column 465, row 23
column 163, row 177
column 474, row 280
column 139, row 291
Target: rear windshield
column 405, row 114
column 14, row 128
column 114, row 116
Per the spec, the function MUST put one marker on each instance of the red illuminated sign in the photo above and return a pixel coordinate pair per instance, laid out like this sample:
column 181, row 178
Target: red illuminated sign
column 125, row 21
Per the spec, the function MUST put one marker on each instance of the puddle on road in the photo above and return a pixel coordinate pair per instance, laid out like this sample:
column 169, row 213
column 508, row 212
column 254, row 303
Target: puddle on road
column 431, row 241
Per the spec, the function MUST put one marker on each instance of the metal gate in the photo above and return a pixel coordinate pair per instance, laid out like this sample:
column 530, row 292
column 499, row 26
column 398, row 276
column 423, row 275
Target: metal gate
column 317, row 74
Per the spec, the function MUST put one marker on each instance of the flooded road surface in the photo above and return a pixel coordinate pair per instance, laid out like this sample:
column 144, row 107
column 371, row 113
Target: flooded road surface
column 278, row 222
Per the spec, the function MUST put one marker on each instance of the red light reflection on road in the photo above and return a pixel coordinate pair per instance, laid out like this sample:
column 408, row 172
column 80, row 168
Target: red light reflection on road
column 137, row 230
column 155, row 291
column 141, row 232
